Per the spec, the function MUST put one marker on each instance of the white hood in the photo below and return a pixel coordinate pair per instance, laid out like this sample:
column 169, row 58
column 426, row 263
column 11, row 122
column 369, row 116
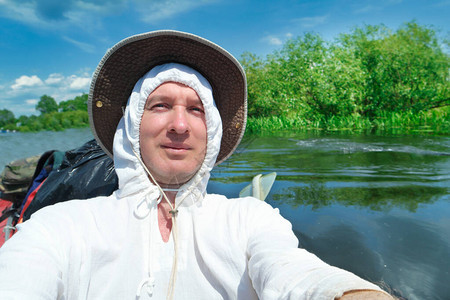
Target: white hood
column 132, row 176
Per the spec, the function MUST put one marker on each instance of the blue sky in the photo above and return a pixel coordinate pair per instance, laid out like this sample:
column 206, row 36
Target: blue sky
column 53, row 46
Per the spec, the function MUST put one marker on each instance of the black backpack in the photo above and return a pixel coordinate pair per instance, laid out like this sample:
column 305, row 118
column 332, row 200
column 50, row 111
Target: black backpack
column 85, row 172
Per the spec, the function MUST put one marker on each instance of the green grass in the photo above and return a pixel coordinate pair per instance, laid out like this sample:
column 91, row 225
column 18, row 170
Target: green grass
column 436, row 121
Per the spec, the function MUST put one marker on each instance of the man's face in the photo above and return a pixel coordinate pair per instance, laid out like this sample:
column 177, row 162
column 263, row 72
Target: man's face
column 173, row 133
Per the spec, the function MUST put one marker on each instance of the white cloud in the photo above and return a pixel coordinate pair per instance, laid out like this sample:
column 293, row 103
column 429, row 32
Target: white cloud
column 310, row 22
column 394, row 2
column 27, row 81
column 272, row 40
column 19, row 107
column 32, row 101
column 87, row 14
column 154, row 11
column 276, row 40
column 83, row 46
column 367, row 9
column 21, row 96
column 60, row 15
column 54, row 79
column 80, row 83
column 443, row 3
column 371, row 6
column 18, row 11
column 54, row 82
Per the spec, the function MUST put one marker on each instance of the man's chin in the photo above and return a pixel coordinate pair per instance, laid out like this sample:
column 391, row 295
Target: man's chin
column 176, row 177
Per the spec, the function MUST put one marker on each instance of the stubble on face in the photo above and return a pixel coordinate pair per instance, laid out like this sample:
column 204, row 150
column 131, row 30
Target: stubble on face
column 173, row 134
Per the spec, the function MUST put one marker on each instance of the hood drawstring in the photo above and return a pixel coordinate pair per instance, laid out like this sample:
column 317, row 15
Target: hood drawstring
column 148, row 201
column 150, row 281
column 174, row 213
column 170, row 190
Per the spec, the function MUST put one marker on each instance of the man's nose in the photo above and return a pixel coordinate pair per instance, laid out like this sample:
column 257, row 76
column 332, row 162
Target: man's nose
column 179, row 122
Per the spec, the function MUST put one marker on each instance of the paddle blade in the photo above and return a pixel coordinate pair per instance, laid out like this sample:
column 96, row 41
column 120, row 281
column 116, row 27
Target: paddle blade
column 260, row 186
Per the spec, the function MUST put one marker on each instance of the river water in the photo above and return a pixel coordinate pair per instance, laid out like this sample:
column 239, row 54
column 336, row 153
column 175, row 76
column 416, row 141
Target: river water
column 378, row 206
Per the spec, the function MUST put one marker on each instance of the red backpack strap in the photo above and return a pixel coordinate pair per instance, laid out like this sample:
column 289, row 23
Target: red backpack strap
column 29, row 200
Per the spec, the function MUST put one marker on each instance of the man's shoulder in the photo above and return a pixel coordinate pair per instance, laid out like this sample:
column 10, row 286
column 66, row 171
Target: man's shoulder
column 75, row 206
column 218, row 198
column 85, row 220
column 77, row 211
column 242, row 204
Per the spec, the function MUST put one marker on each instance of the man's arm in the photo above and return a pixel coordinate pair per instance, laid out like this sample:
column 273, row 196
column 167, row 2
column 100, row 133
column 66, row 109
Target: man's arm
column 280, row 270
column 33, row 261
column 365, row 294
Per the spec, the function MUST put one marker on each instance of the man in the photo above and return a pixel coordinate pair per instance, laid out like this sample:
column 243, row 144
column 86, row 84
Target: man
column 167, row 106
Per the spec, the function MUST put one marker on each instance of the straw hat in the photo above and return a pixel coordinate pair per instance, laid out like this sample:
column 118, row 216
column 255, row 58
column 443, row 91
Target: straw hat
column 131, row 58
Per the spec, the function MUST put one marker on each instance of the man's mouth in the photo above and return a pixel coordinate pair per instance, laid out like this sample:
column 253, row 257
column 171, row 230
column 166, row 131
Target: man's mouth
column 176, row 147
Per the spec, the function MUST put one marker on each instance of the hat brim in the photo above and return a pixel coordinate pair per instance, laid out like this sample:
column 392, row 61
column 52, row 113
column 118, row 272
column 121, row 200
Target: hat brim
column 125, row 63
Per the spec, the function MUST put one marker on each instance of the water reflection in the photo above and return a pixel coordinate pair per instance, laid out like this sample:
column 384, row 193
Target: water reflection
column 418, row 256
column 342, row 246
column 375, row 197
column 377, row 206
column 407, row 256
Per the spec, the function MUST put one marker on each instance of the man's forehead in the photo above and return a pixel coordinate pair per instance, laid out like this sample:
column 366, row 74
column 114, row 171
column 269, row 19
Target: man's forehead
column 166, row 95
column 169, row 89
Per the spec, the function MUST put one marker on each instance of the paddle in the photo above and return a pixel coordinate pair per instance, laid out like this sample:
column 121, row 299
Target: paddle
column 260, row 186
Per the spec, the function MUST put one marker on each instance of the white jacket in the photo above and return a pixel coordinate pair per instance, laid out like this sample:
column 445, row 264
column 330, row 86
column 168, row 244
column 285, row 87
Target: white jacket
column 111, row 247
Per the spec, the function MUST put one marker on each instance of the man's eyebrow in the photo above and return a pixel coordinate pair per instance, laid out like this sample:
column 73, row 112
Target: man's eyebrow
column 155, row 98
column 197, row 101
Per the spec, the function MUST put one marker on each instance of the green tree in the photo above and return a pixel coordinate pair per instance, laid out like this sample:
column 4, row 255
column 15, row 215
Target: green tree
column 31, row 123
column 307, row 77
column 22, row 120
column 6, row 117
column 79, row 103
column 73, row 115
column 78, row 118
column 368, row 72
column 405, row 70
column 258, row 86
column 52, row 121
column 46, row 105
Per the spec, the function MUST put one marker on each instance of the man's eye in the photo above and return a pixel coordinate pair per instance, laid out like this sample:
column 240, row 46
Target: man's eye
column 197, row 109
column 158, row 105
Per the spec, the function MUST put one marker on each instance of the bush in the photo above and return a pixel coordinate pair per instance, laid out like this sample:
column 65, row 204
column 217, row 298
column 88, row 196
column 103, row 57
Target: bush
column 359, row 79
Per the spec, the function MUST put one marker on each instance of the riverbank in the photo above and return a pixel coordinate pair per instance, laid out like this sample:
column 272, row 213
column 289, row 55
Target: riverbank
column 433, row 122
column 372, row 79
